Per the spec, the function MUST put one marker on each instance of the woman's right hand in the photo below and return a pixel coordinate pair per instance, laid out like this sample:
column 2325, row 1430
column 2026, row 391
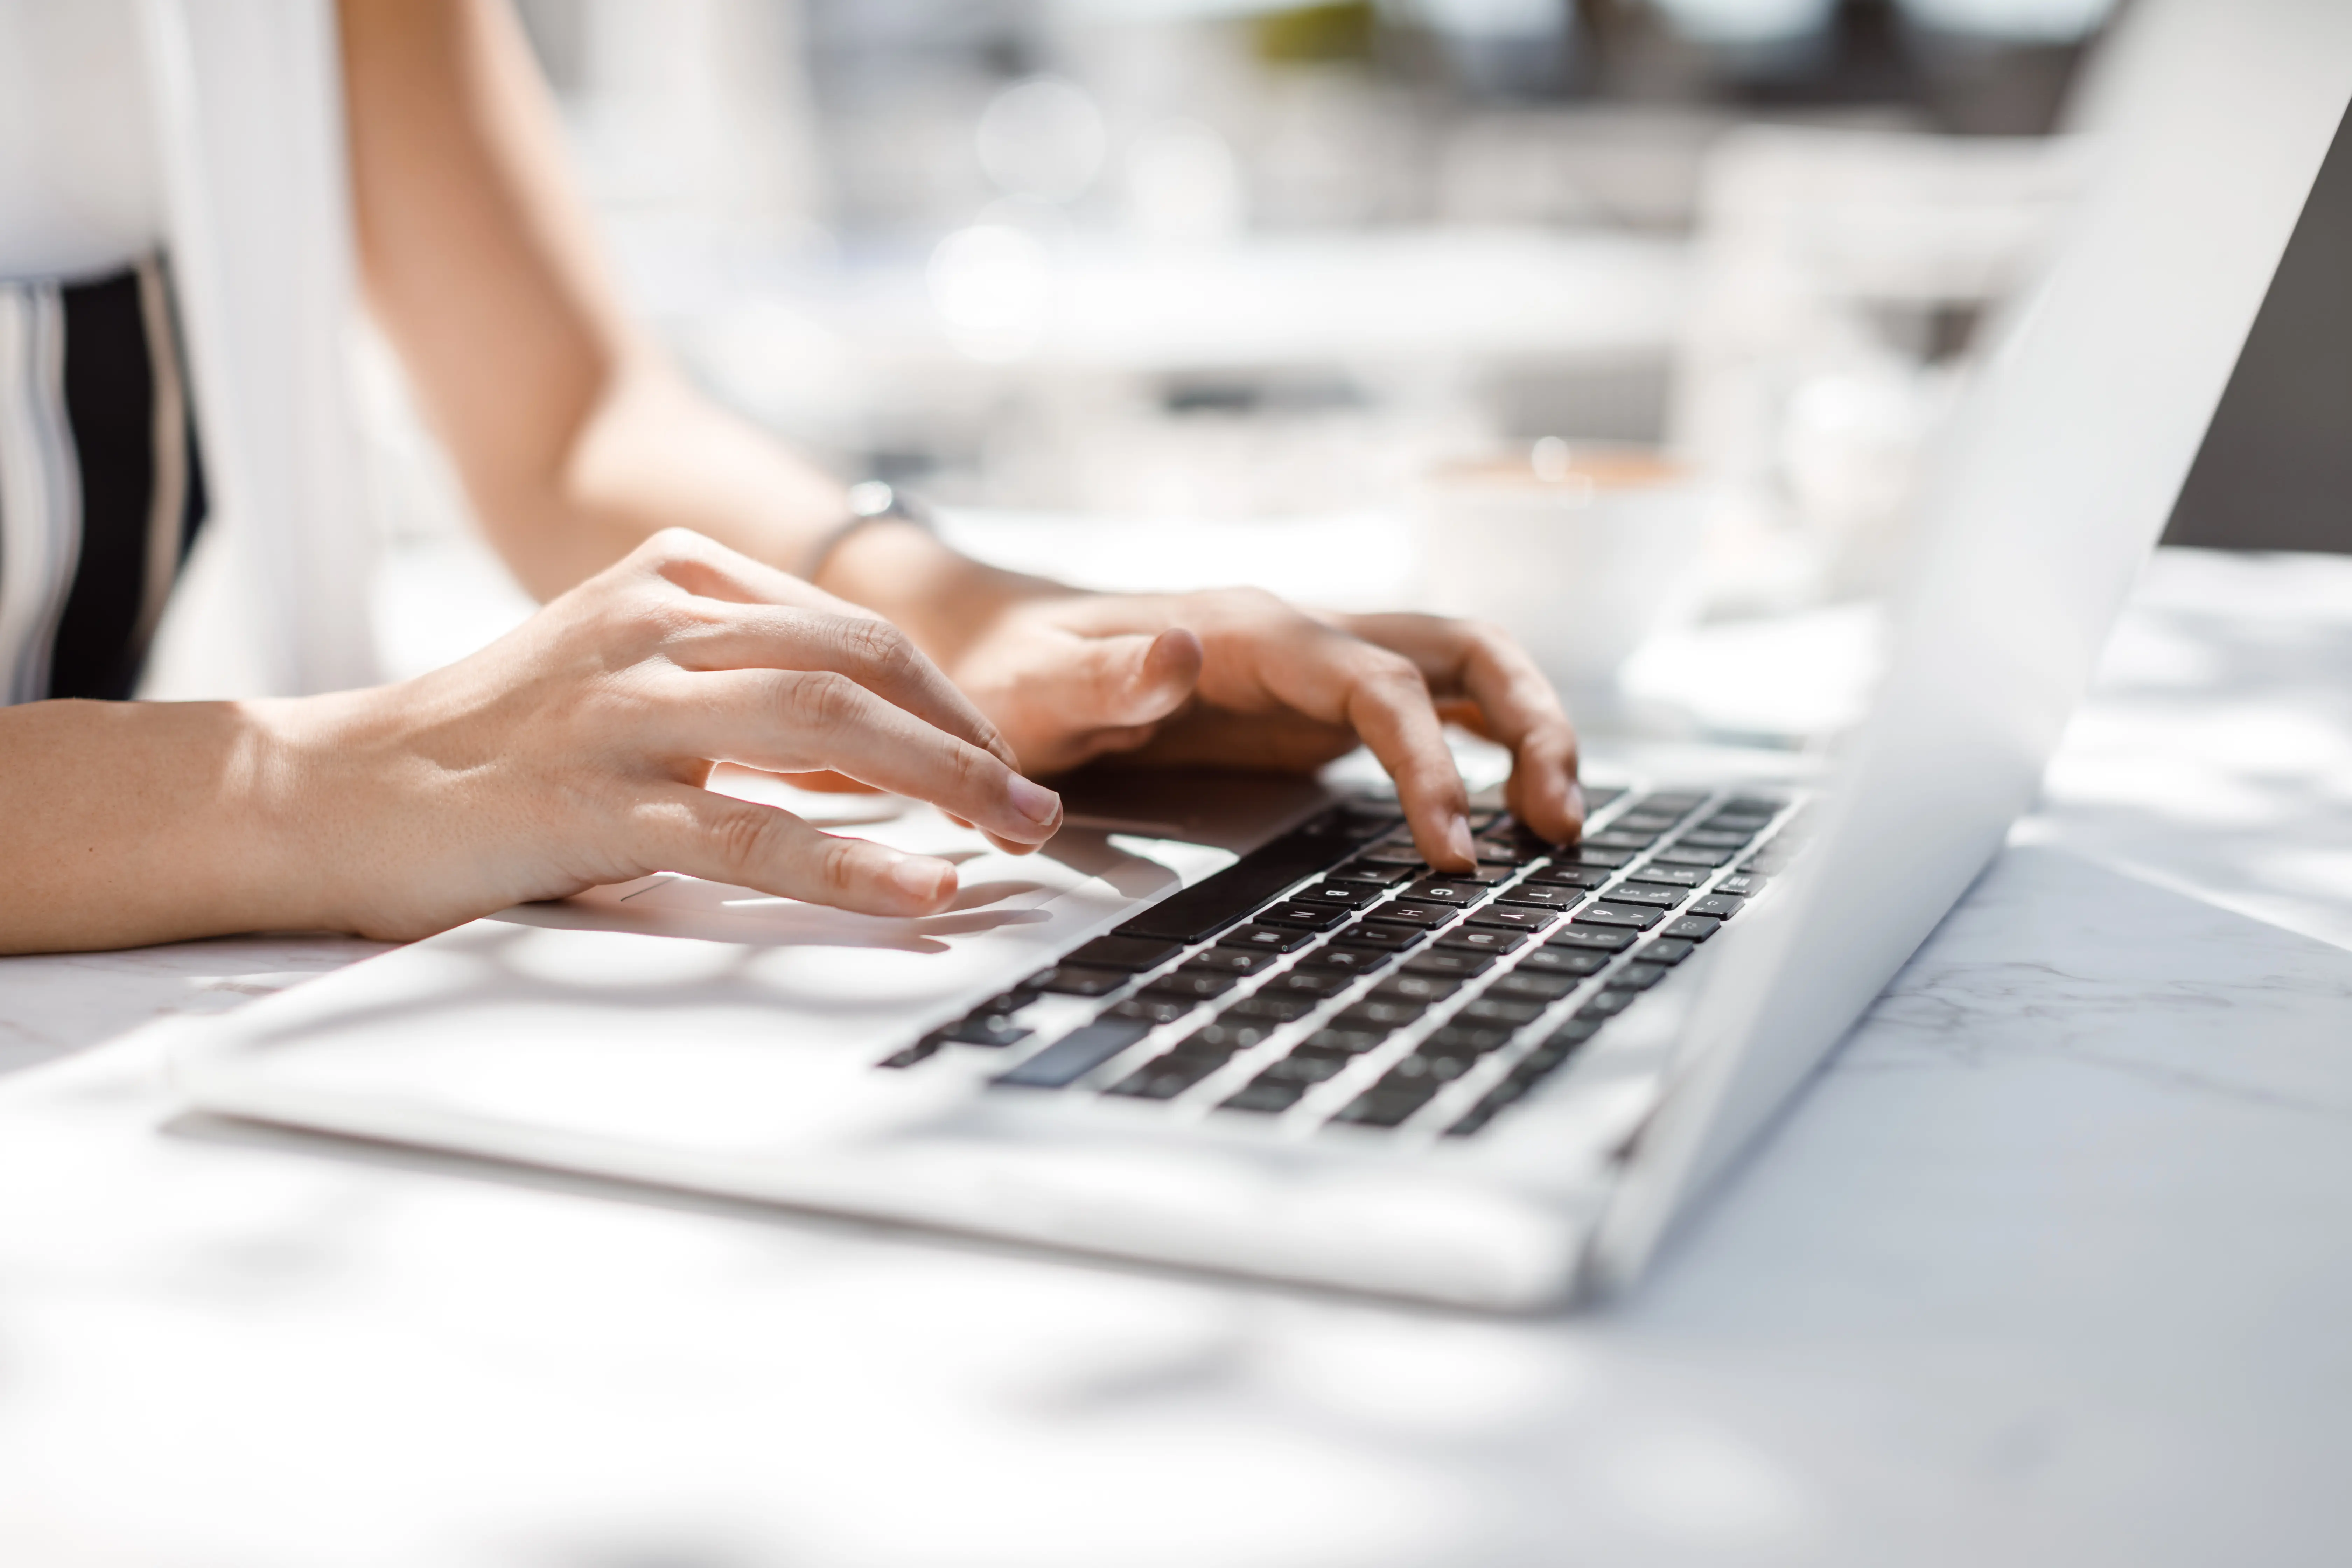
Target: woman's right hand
column 573, row 752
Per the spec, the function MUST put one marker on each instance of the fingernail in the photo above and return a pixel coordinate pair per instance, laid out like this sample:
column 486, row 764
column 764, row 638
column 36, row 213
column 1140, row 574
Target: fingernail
column 1457, row 839
column 920, row 877
column 1035, row 801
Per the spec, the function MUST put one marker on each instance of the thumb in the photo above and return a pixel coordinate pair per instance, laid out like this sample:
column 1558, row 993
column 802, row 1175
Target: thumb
column 1135, row 680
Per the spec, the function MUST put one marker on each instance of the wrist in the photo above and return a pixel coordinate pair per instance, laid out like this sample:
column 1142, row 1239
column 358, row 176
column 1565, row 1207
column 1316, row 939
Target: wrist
column 305, row 809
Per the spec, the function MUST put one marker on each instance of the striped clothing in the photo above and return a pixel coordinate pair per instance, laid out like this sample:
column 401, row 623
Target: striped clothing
column 101, row 492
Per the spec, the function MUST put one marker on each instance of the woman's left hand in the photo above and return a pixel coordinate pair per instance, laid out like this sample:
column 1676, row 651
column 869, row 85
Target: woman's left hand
column 1239, row 677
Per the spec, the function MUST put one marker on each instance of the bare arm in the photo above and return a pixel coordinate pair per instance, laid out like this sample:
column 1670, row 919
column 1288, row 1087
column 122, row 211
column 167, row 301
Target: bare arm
column 575, row 439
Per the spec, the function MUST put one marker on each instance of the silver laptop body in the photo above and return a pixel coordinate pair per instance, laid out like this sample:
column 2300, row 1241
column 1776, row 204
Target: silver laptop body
column 704, row 1037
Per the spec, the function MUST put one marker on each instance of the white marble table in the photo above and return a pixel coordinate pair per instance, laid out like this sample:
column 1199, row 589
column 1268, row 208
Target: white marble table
column 2054, row 1266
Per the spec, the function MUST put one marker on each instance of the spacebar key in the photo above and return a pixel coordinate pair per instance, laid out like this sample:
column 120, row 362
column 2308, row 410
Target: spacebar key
column 1210, row 905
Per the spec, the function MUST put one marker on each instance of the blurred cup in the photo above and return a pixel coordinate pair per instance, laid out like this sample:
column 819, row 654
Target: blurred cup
column 1583, row 551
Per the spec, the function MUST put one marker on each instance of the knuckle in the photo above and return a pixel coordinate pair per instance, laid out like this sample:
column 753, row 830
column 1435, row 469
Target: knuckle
column 837, row 863
column 671, row 544
column 749, row 837
column 1394, row 674
column 820, row 698
column 880, row 647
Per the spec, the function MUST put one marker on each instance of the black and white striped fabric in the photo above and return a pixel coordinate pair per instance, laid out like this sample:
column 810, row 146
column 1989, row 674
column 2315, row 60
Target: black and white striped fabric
column 101, row 491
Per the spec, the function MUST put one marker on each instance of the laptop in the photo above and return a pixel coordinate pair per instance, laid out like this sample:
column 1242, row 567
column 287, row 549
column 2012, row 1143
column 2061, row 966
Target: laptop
column 1238, row 1025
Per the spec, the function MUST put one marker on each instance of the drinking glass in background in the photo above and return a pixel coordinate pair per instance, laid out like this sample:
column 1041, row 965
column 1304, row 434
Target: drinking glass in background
column 1583, row 552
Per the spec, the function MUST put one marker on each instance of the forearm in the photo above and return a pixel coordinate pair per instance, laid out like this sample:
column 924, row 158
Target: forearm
column 128, row 823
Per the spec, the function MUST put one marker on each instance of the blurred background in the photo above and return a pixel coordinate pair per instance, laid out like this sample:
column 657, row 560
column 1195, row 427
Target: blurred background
column 1158, row 293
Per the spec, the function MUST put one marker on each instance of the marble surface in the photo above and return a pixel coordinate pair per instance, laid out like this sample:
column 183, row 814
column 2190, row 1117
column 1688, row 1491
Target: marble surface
column 2050, row 1266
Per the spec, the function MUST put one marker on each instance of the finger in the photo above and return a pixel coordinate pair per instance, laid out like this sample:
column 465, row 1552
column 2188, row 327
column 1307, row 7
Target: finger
column 807, row 720
column 1381, row 696
column 1514, row 706
column 1523, row 715
column 722, row 839
column 872, row 652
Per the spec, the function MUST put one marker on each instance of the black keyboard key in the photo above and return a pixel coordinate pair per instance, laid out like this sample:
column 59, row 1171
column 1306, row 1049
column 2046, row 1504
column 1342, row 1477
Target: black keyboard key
column 1743, row 884
column 1670, row 803
column 1592, row 856
column 1164, row 1078
column 1709, row 839
column 1560, row 965
column 1534, row 986
column 1754, row 806
column 1344, row 1042
column 986, row 1026
column 1070, row 981
column 1454, row 894
column 1648, row 897
column 1693, row 928
column 1512, row 1011
column 1596, row 796
column 1190, row 984
column 1650, row 822
column 1279, row 1007
column 1450, row 963
column 1348, row 959
column 1075, row 1054
column 1317, row 983
column 1419, row 1069
column 1619, row 839
column 1625, row 916
column 1376, row 934
column 1597, row 939
column 1403, row 856
column 1149, row 1009
column 1303, row 1066
column 1372, row 875
column 1637, row 977
column 1421, row 989
column 1718, row 906
column 1222, row 1039
column 1127, row 953
column 1480, row 876
column 922, row 1050
column 1666, row 950
column 1538, row 896
column 1503, row 852
column 1500, row 917
column 1382, row 1013
column 1228, row 961
column 1266, row 939
column 1421, row 917
column 1481, row 939
column 1607, row 1004
column 1691, row 854
column 1565, row 876
column 1210, row 905
column 1337, row 895
column 1310, row 917
column 1266, row 1096
column 1668, row 876
column 1468, row 1039
column 1737, row 822
column 1387, row 1106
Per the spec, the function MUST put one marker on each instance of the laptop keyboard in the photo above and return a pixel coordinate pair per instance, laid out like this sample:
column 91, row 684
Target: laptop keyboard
column 1334, row 976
